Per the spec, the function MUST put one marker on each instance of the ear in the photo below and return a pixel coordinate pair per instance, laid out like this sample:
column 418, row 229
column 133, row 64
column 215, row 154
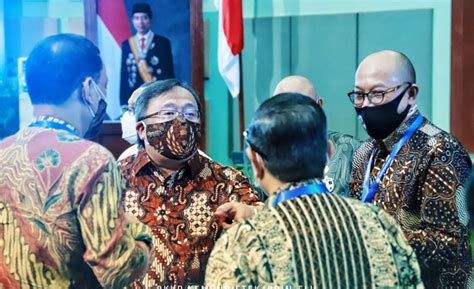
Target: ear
column 140, row 127
column 331, row 149
column 412, row 94
column 320, row 102
column 257, row 163
column 87, row 90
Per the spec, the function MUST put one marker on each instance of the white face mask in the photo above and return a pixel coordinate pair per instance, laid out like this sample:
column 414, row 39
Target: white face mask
column 129, row 132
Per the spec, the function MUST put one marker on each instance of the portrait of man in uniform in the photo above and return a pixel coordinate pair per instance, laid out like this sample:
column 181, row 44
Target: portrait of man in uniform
column 141, row 41
column 146, row 56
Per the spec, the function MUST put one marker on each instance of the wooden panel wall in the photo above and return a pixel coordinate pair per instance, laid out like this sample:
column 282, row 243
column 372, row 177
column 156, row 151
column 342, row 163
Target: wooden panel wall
column 462, row 72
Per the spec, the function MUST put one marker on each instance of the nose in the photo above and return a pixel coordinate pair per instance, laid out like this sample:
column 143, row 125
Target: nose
column 366, row 102
column 181, row 118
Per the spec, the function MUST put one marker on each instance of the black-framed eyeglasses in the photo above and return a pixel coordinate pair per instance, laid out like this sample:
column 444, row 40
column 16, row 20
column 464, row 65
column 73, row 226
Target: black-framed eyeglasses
column 375, row 96
column 170, row 114
column 253, row 146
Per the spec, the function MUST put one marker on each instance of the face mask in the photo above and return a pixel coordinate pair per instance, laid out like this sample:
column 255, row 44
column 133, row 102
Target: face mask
column 97, row 117
column 129, row 132
column 176, row 139
column 380, row 121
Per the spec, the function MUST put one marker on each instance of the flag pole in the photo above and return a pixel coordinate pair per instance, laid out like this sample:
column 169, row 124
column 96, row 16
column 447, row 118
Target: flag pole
column 241, row 103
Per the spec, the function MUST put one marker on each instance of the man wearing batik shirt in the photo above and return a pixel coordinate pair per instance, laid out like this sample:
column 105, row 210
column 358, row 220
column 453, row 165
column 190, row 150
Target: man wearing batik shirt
column 412, row 169
column 337, row 173
column 304, row 236
column 338, row 170
column 173, row 189
column 61, row 222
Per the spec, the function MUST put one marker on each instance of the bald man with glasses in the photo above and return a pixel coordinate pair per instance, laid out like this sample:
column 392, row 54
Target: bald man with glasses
column 412, row 169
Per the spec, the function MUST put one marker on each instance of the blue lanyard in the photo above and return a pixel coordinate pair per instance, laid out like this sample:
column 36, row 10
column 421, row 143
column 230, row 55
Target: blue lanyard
column 369, row 191
column 301, row 191
column 54, row 123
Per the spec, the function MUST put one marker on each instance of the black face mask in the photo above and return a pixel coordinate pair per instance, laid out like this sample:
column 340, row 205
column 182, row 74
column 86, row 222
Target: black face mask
column 380, row 121
column 97, row 120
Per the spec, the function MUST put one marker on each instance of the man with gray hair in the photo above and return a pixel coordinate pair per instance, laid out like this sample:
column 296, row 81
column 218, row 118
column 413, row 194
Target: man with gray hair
column 173, row 189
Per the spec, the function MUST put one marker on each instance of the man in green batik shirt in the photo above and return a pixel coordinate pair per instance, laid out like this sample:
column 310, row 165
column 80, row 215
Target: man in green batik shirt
column 303, row 235
column 338, row 170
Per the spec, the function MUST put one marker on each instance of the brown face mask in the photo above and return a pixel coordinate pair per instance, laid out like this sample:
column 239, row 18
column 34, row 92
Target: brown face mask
column 176, row 139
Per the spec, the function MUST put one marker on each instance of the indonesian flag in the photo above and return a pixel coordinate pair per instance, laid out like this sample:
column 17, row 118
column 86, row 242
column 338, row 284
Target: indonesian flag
column 112, row 29
column 230, row 42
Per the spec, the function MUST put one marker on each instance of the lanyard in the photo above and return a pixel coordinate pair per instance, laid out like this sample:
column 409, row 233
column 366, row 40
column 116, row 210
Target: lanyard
column 369, row 191
column 54, row 123
column 301, row 191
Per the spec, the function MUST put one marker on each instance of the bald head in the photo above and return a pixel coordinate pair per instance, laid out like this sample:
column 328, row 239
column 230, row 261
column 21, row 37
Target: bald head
column 386, row 66
column 297, row 84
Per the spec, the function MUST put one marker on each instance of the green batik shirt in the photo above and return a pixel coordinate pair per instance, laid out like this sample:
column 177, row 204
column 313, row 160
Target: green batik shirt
column 319, row 240
column 338, row 170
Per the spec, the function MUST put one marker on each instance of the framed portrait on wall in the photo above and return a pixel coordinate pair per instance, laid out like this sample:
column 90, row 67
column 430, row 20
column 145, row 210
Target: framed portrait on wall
column 146, row 40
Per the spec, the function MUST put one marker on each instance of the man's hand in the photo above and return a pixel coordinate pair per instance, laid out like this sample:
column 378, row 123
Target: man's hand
column 234, row 213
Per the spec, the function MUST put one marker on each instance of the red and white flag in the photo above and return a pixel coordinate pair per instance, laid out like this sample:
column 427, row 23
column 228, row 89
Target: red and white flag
column 112, row 29
column 230, row 42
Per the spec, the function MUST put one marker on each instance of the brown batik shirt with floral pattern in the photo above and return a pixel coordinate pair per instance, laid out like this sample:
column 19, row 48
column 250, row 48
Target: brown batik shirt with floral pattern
column 179, row 209
column 423, row 189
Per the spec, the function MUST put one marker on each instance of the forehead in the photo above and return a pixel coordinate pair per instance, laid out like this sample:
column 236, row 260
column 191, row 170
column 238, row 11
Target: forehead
column 177, row 97
column 377, row 74
column 140, row 15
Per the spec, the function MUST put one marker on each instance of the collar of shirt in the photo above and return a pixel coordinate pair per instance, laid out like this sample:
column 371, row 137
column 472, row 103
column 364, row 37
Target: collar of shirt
column 143, row 161
column 390, row 141
column 50, row 121
column 291, row 186
column 146, row 35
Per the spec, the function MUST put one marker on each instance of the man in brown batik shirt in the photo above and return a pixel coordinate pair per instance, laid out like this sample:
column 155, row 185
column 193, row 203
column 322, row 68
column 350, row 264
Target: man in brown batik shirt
column 422, row 184
column 173, row 189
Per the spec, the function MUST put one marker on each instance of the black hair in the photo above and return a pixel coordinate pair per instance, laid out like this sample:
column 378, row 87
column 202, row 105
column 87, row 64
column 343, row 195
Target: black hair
column 58, row 65
column 142, row 8
column 156, row 89
column 289, row 132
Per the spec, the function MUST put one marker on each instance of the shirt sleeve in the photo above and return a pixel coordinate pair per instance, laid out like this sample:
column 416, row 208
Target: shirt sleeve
column 402, row 253
column 116, row 248
column 441, row 237
column 242, row 191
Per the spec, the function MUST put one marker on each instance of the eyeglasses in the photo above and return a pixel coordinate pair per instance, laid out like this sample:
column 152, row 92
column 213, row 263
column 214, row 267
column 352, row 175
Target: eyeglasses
column 374, row 96
column 168, row 114
column 246, row 135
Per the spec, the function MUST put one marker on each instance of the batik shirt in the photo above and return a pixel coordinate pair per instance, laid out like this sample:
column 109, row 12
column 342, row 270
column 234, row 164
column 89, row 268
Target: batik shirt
column 423, row 190
column 338, row 172
column 61, row 225
column 314, row 241
column 179, row 209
